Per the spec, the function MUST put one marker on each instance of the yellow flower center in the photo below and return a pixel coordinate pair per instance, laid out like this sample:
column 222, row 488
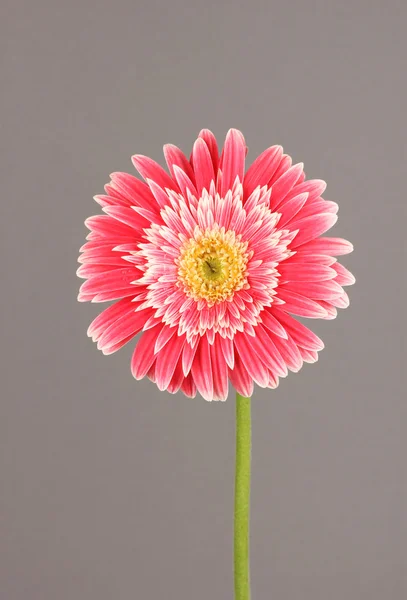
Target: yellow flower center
column 212, row 265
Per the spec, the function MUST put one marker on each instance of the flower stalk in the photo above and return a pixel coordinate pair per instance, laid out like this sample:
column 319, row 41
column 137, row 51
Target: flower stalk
column 242, row 498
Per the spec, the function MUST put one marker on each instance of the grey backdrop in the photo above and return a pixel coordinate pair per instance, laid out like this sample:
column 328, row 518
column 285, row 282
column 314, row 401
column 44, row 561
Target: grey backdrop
column 109, row 488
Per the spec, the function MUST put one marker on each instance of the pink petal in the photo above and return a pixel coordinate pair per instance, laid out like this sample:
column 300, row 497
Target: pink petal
column 115, row 347
column 135, row 190
column 228, row 351
column 301, row 257
column 115, row 280
column 240, row 378
column 305, row 272
column 188, row 355
column 188, row 387
column 267, row 352
column 317, row 290
column 175, row 157
column 143, row 355
column 311, row 227
column 271, row 323
column 167, row 360
column 203, row 166
column 319, row 207
column 284, row 184
column 149, row 169
column 90, row 270
column 185, row 183
column 262, row 169
column 285, row 164
column 100, row 245
column 128, row 247
column 177, row 379
column 103, row 257
column 127, row 216
column 342, row 301
column 331, row 312
column 111, row 200
column 211, row 142
column 299, row 333
column 273, row 381
column 289, row 352
column 327, row 245
column 256, row 368
column 202, row 370
column 127, row 325
column 309, row 356
column 233, row 159
column 107, row 295
column 289, row 210
column 108, row 227
column 300, row 305
column 109, row 316
column 344, row 277
column 313, row 187
column 163, row 337
column 158, row 192
column 220, row 371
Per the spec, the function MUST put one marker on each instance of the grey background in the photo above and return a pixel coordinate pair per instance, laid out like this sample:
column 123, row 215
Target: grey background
column 109, row 488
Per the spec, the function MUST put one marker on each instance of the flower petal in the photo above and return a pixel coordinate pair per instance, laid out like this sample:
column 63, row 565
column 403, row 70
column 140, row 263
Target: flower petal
column 267, row 352
column 143, row 355
column 107, row 227
column 167, row 360
column 285, row 164
column 203, row 166
column 256, row 368
column 202, row 370
column 212, row 144
column 232, row 160
column 300, row 305
column 132, row 188
column 188, row 387
column 305, row 272
column 327, row 245
column 127, row 216
column 228, row 351
column 262, row 169
column 270, row 322
column 124, row 328
column 299, row 333
column 175, row 157
column 284, row 184
column 163, row 338
column 240, row 378
column 188, row 355
column 289, row 352
column 342, row 301
column 311, row 227
column 313, row 187
column 317, row 290
column 309, row 356
column 109, row 316
column 177, row 379
column 220, row 371
column 185, row 184
column 290, row 209
column 344, row 277
column 149, row 169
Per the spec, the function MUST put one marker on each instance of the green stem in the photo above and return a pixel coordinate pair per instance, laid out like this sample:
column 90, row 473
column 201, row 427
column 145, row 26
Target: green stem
column 242, row 498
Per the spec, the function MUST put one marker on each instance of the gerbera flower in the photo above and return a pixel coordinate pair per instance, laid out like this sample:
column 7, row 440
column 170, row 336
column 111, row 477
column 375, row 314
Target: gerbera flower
column 210, row 263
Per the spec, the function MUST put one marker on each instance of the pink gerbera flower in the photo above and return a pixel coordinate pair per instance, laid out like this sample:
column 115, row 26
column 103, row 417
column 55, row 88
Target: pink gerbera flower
column 209, row 263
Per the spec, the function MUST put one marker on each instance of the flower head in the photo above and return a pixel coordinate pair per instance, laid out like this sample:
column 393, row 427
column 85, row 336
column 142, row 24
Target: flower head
column 209, row 263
